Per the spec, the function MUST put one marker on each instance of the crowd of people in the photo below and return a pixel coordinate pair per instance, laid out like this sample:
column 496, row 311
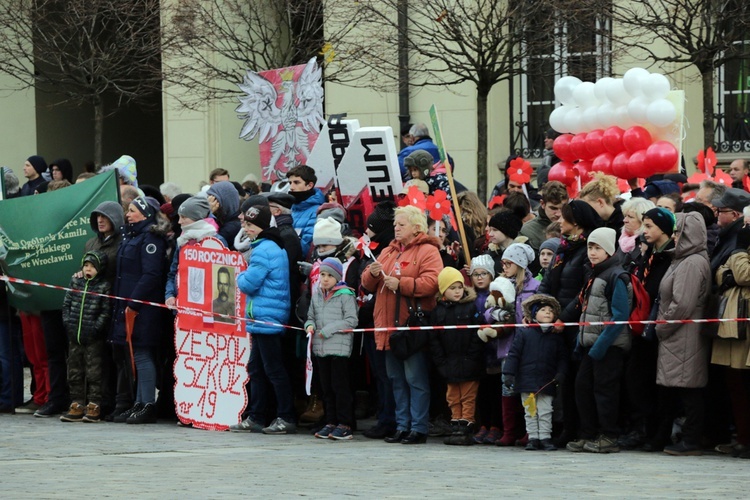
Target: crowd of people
column 537, row 352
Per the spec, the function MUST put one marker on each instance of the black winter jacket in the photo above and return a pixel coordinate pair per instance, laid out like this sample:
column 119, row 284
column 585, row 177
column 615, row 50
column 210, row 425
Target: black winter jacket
column 565, row 280
column 535, row 358
column 457, row 353
column 86, row 316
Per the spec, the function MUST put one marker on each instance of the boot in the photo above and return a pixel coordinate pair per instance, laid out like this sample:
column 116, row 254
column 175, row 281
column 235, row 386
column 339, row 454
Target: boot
column 146, row 415
column 511, row 430
column 466, row 433
column 314, row 410
column 455, row 431
column 93, row 413
column 75, row 413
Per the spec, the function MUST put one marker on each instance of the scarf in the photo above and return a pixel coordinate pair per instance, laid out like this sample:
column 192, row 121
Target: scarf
column 195, row 232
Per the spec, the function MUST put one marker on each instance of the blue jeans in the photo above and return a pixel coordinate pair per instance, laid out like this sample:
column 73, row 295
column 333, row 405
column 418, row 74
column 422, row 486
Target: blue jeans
column 266, row 367
column 145, row 369
column 411, row 391
column 11, row 364
column 386, row 404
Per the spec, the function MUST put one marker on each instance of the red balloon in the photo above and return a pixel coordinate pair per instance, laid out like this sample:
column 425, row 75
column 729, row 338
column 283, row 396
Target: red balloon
column 594, row 143
column 603, row 163
column 578, row 147
column 636, row 138
column 561, row 147
column 662, row 157
column 612, row 140
column 620, row 167
column 638, row 166
column 562, row 172
column 584, row 171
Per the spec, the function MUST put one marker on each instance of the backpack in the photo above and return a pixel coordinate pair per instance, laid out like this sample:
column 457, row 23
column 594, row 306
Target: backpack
column 640, row 309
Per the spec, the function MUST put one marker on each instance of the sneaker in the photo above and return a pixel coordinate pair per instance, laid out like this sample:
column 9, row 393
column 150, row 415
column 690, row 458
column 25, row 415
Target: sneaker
column 577, row 445
column 75, row 414
column 93, row 414
column 28, row 408
column 342, row 432
column 146, row 415
column 603, row 444
column 683, row 449
column 325, row 432
column 533, row 445
column 280, row 426
column 493, row 436
column 123, row 416
column 479, row 436
column 247, row 425
column 49, row 409
column 547, row 445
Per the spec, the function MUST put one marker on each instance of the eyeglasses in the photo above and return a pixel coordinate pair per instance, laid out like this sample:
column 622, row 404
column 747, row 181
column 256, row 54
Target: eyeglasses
column 480, row 275
column 507, row 263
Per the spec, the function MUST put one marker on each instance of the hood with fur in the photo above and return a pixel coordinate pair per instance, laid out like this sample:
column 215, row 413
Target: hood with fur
column 540, row 300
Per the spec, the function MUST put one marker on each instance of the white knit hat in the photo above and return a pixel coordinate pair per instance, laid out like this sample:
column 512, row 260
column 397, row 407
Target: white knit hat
column 504, row 286
column 520, row 254
column 605, row 237
column 327, row 232
column 483, row 261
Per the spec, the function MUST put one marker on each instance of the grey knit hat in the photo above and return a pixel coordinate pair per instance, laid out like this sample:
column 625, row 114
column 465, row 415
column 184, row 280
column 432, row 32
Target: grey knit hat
column 520, row 254
column 550, row 244
column 484, row 262
column 194, row 208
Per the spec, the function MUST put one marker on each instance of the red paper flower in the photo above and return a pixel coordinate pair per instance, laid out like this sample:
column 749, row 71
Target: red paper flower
column 365, row 246
column 438, row 205
column 413, row 197
column 496, row 201
column 707, row 161
column 520, row 171
column 722, row 177
column 697, row 178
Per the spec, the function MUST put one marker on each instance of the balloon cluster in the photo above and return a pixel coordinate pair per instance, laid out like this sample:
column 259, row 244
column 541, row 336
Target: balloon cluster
column 603, row 125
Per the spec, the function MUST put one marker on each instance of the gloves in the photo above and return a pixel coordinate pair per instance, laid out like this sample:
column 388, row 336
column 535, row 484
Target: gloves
column 304, row 267
column 485, row 334
column 509, row 381
column 727, row 281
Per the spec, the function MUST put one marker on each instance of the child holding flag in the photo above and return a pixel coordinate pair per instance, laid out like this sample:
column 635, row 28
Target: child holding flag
column 536, row 363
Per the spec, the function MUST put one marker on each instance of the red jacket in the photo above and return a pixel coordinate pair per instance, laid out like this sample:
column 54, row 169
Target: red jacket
column 420, row 264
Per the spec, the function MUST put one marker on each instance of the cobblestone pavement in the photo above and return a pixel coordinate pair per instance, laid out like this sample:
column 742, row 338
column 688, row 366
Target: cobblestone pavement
column 45, row 458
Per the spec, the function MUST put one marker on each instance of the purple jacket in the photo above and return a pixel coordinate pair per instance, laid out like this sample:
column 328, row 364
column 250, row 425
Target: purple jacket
column 503, row 344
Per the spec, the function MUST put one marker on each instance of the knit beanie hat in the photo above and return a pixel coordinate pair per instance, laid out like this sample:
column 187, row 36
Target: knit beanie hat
column 507, row 223
column 259, row 215
column 333, row 210
column 144, row 207
column 38, row 163
column 663, row 218
column 584, row 215
column 550, row 244
column 382, row 217
column 484, row 262
column 253, row 201
column 97, row 258
column 447, row 277
column 194, row 208
column 604, row 237
column 327, row 232
column 520, row 254
column 227, row 196
column 332, row 266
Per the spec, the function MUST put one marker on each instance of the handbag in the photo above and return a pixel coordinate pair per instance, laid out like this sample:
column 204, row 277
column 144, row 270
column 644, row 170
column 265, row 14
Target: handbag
column 406, row 343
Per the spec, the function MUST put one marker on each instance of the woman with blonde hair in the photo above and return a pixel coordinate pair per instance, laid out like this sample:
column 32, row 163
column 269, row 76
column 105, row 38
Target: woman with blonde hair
column 405, row 274
column 632, row 227
column 601, row 193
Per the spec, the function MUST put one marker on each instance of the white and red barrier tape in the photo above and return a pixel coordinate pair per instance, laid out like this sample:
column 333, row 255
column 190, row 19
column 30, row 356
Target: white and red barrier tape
column 393, row 328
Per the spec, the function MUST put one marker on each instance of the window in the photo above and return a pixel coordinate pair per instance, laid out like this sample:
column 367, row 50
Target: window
column 571, row 48
column 732, row 131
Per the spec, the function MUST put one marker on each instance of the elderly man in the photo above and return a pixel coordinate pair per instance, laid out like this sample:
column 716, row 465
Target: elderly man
column 421, row 140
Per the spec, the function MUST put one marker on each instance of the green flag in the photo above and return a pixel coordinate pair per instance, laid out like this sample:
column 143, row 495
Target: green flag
column 438, row 134
column 44, row 236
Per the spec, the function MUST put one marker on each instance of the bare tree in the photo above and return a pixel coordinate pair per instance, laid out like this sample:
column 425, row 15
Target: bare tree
column 84, row 51
column 705, row 34
column 448, row 42
column 216, row 41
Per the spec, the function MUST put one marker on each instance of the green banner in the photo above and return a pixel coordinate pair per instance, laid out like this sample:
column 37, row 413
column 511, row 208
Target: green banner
column 44, row 236
column 438, row 138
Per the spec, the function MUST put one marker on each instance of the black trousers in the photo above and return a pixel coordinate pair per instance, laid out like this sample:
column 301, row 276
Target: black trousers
column 337, row 394
column 676, row 400
column 640, row 383
column 598, row 394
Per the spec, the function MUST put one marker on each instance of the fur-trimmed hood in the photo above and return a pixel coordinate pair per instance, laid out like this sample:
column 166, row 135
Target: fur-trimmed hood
column 540, row 300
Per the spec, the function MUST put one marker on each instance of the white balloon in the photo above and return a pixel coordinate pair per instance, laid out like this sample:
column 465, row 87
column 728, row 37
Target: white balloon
column 661, row 113
column 637, row 109
column 591, row 118
column 655, row 86
column 622, row 118
column 574, row 121
column 600, row 88
column 606, row 115
column 564, row 88
column 557, row 118
column 584, row 95
column 616, row 92
column 632, row 81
